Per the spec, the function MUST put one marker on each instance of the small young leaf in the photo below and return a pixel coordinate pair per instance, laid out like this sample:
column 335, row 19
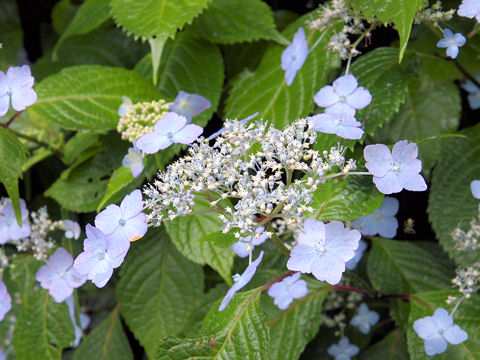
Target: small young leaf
column 119, row 180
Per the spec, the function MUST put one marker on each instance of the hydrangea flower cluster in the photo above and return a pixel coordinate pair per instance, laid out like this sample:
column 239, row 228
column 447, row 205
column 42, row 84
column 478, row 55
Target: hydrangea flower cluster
column 467, row 280
column 382, row 221
column 16, row 87
column 452, row 42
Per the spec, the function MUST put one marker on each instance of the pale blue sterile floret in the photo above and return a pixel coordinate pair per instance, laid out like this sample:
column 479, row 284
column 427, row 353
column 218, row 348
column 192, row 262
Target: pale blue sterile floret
column 96, row 261
column 395, row 170
column 16, row 86
column 125, row 106
column 438, row 330
column 2, row 355
column 123, row 224
column 294, row 56
column 475, row 188
column 285, row 291
column 365, row 319
column 134, row 161
column 242, row 246
column 171, row 128
column 84, row 322
column 189, row 105
column 343, row 350
column 343, row 96
column 59, row 276
column 240, row 281
column 353, row 262
column 72, row 229
column 343, row 125
column 5, row 301
column 452, row 42
column 323, row 250
column 382, row 221
column 470, row 9
column 9, row 228
column 473, row 90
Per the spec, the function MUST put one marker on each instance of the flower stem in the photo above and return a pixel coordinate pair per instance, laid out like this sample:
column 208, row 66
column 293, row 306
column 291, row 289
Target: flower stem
column 7, row 124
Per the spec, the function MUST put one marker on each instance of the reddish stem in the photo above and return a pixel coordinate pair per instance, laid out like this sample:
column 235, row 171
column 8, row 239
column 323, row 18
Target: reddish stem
column 7, row 124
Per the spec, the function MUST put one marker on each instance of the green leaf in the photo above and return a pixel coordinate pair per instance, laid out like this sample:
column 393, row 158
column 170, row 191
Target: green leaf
column 78, row 144
column 106, row 342
column 158, row 289
column 231, row 21
column 62, row 14
column 13, row 156
column 466, row 317
column 88, row 97
column 185, row 231
column 89, row 16
column 431, row 108
column 391, row 347
column 451, row 202
column 190, row 65
column 220, row 239
column 401, row 267
column 23, row 272
column 345, row 199
column 400, row 12
column 265, row 90
column 119, row 180
column 387, row 80
column 12, row 34
column 149, row 18
column 292, row 329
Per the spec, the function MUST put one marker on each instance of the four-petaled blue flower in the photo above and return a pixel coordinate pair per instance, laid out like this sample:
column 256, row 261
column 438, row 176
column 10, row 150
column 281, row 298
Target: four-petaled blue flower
column 353, row 262
column 323, row 250
column 9, row 228
column 171, row 128
column 240, row 281
column 473, row 90
column 241, row 247
column 72, row 229
column 343, row 125
column 294, row 56
column 382, row 221
column 470, row 9
column 16, row 86
column 5, row 301
column 365, row 319
column 343, row 97
column 285, row 291
column 134, row 161
column 343, row 350
column 189, row 105
column 96, row 261
column 452, row 42
column 123, row 224
column 437, row 330
column 59, row 276
column 396, row 170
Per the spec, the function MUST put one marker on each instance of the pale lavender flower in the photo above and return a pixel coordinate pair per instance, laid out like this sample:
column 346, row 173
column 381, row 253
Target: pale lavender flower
column 59, row 276
column 353, row 262
column 323, row 250
column 242, row 246
column 343, row 97
column 189, row 105
column 470, row 9
column 96, row 261
column 123, row 224
column 285, row 291
column 473, row 90
column 84, row 322
column 134, row 161
column 343, row 350
column 240, row 281
column 365, row 319
column 452, row 42
column 475, row 187
column 343, row 125
column 396, row 170
column 9, row 228
column 171, row 128
column 437, row 331
column 294, row 56
column 382, row 221
column 5, row 300
column 125, row 107
column 16, row 86
column 72, row 229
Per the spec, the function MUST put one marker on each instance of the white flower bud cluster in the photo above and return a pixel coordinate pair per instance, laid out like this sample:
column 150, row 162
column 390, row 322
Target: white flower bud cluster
column 467, row 240
column 336, row 9
column 433, row 14
column 467, row 280
column 250, row 173
column 141, row 118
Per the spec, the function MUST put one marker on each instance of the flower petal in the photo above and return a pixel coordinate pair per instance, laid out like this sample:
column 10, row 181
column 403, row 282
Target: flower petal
column 345, row 85
column 378, row 159
column 152, row 142
column 326, row 97
column 107, row 220
column 188, row 134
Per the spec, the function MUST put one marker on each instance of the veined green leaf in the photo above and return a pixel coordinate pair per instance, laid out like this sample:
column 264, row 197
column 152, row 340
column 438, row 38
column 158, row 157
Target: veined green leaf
column 12, row 33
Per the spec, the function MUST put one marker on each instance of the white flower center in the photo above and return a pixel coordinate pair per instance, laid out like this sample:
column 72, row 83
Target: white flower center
column 100, row 255
column 320, row 249
column 236, row 277
column 339, row 119
column 396, row 167
column 62, row 274
column 343, row 99
column 122, row 222
column 452, row 42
